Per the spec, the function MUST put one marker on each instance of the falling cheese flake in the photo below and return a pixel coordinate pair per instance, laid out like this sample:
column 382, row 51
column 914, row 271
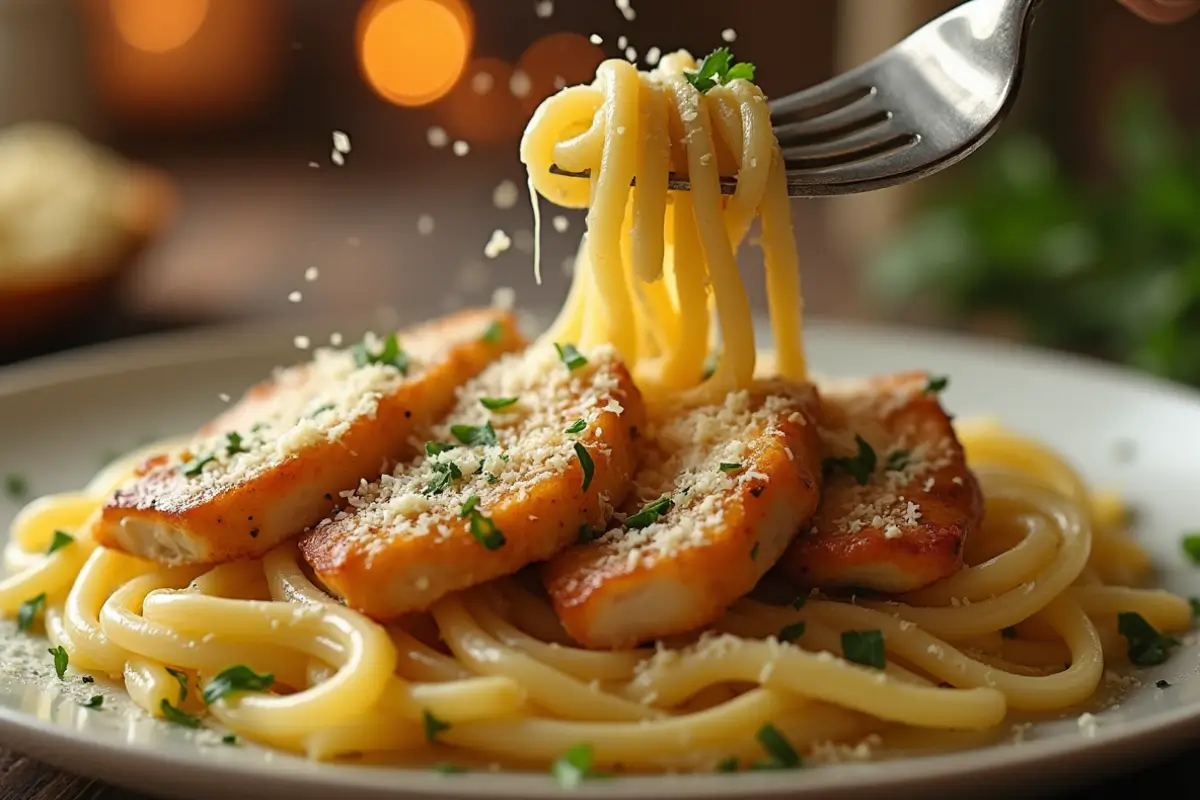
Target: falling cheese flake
column 519, row 84
column 626, row 10
column 622, row 42
column 653, row 55
column 544, row 9
column 224, row 398
column 302, row 342
column 630, row 54
column 335, row 339
column 461, row 148
column 424, row 224
column 505, row 195
column 337, row 157
column 729, row 35
column 504, row 298
column 560, row 223
column 295, row 297
column 523, row 240
column 341, row 142
column 437, row 137
column 497, row 244
column 482, row 82
column 559, row 82
column 311, row 274
column 314, row 165
column 595, row 38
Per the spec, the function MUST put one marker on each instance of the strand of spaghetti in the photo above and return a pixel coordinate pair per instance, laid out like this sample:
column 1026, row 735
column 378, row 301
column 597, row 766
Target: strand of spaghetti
column 33, row 528
column 1035, row 654
column 466, row 700
column 532, row 614
column 736, row 366
column 785, row 300
column 103, row 573
column 650, row 195
column 374, row 732
column 286, row 581
column 124, row 625
column 1161, row 609
column 51, row 575
column 367, row 658
column 688, row 269
column 740, row 111
column 824, row 676
column 547, row 687
column 558, row 118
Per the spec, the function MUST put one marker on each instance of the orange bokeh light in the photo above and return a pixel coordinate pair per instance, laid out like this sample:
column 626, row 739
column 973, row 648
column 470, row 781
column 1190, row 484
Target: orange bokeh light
column 412, row 52
column 155, row 26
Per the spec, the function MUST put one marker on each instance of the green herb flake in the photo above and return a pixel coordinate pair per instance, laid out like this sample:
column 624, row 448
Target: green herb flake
column 860, row 467
column 790, row 633
column 497, row 403
column 1191, row 547
column 864, row 647
column 717, row 68
column 1161, row 684
column 444, row 473
column 15, row 486
column 754, row 552
column 586, row 463
column 229, row 739
column 780, row 751
column 483, row 529
column 574, row 766
column 235, row 679
column 1146, row 646
column 95, row 701
column 181, row 678
column 729, row 764
column 1195, row 604
column 727, row 467
column 650, row 513
column 446, row 768
column 234, row 444
column 60, row 540
column 936, row 384
column 576, row 427
column 61, row 660
column 1009, row 633
column 193, row 468
column 433, row 726
column 436, row 448
column 28, row 611
column 172, row 714
column 799, row 602
column 390, row 355
column 569, row 355
column 493, row 332
column 474, row 435
column 897, row 460
column 469, row 506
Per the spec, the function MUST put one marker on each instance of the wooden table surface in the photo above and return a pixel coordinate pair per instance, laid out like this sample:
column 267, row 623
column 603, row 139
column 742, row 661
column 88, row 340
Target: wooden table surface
column 248, row 232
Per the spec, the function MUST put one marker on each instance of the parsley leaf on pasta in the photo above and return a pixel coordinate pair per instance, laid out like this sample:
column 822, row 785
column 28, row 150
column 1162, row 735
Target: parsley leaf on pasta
column 61, row 660
column 860, row 466
column 717, row 68
column 61, row 539
column 1147, row 647
column 172, row 714
column 239, row 678
column 864, row 647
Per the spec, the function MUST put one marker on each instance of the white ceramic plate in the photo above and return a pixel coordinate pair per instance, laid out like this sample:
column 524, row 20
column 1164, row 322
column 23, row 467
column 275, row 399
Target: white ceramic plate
column 60, row 416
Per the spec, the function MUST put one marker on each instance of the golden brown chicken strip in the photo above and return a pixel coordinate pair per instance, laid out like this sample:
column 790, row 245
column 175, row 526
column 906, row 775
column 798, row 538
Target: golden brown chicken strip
column 721, row 492
column 898, row 499
column 274, row 464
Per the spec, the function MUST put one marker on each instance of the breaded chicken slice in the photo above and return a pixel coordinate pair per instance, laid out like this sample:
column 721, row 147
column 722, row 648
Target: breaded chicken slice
column 898, row 500
column 721, row 492
column 538, row 448
column 274, row 463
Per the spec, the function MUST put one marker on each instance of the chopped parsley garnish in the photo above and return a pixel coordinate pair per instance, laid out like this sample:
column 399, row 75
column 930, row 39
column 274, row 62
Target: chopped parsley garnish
column 1147, row 647
column 780, row 751
column 172, row 714
column 790, row 633
column 727, row 467
column 474, row 435
column 574, row 766
column 434, row 448
column 864, row 647
column 898, row 460
column 1009, row 633
column 390, row 355
column 444, row 472
column 754, row 552
column 1191, row 547
column 61, row 660
column 717, row 68
column 1161, row 684
column 193, row 468
column 482, row 528
column 446, row 768
column 433, row 726
column 234, row 444
column 729, row 764
column 28, row 611
column 493, row 332
column 799, row 602
column 182, row 679
column 497, row 403
column 936, row 384
column 588, row 534
column 1195, row 604
column 60, row 540
column 570, row 356
column 95, row 701
column 576, row 427
column 650, row 513
column 15, row 486
column 236, row 679
column 859, row 467
column 229, row 739
column 585, row 461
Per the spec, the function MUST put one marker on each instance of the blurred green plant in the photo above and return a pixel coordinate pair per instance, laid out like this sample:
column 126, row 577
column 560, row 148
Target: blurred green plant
column 1111, row 270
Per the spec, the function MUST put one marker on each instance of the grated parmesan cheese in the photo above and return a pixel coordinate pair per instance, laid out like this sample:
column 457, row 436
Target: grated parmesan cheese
column 560, row 223
column 498, row 244
column 461, row 148
column 729, row 35
column 437, row 137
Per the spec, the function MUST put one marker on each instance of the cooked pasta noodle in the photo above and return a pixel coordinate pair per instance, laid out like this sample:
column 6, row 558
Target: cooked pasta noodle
column 1026, row 626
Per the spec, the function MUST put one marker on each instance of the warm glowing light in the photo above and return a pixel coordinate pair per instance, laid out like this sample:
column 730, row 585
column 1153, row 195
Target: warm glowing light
column 482, row 108
column 412, row 52
column 554, row 61
column 156, row 26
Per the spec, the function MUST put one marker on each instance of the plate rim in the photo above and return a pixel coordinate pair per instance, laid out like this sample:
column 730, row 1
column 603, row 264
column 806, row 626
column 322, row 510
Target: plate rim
column 1114, row 747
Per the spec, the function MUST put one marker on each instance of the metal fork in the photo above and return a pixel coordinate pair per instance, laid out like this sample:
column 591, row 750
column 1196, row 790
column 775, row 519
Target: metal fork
column 925, row 104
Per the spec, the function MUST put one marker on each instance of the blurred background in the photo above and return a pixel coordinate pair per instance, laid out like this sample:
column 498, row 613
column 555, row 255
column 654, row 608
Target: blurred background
column 317, row 157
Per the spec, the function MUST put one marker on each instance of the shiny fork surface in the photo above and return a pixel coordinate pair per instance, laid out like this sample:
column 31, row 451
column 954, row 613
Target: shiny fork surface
column 921, row 106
